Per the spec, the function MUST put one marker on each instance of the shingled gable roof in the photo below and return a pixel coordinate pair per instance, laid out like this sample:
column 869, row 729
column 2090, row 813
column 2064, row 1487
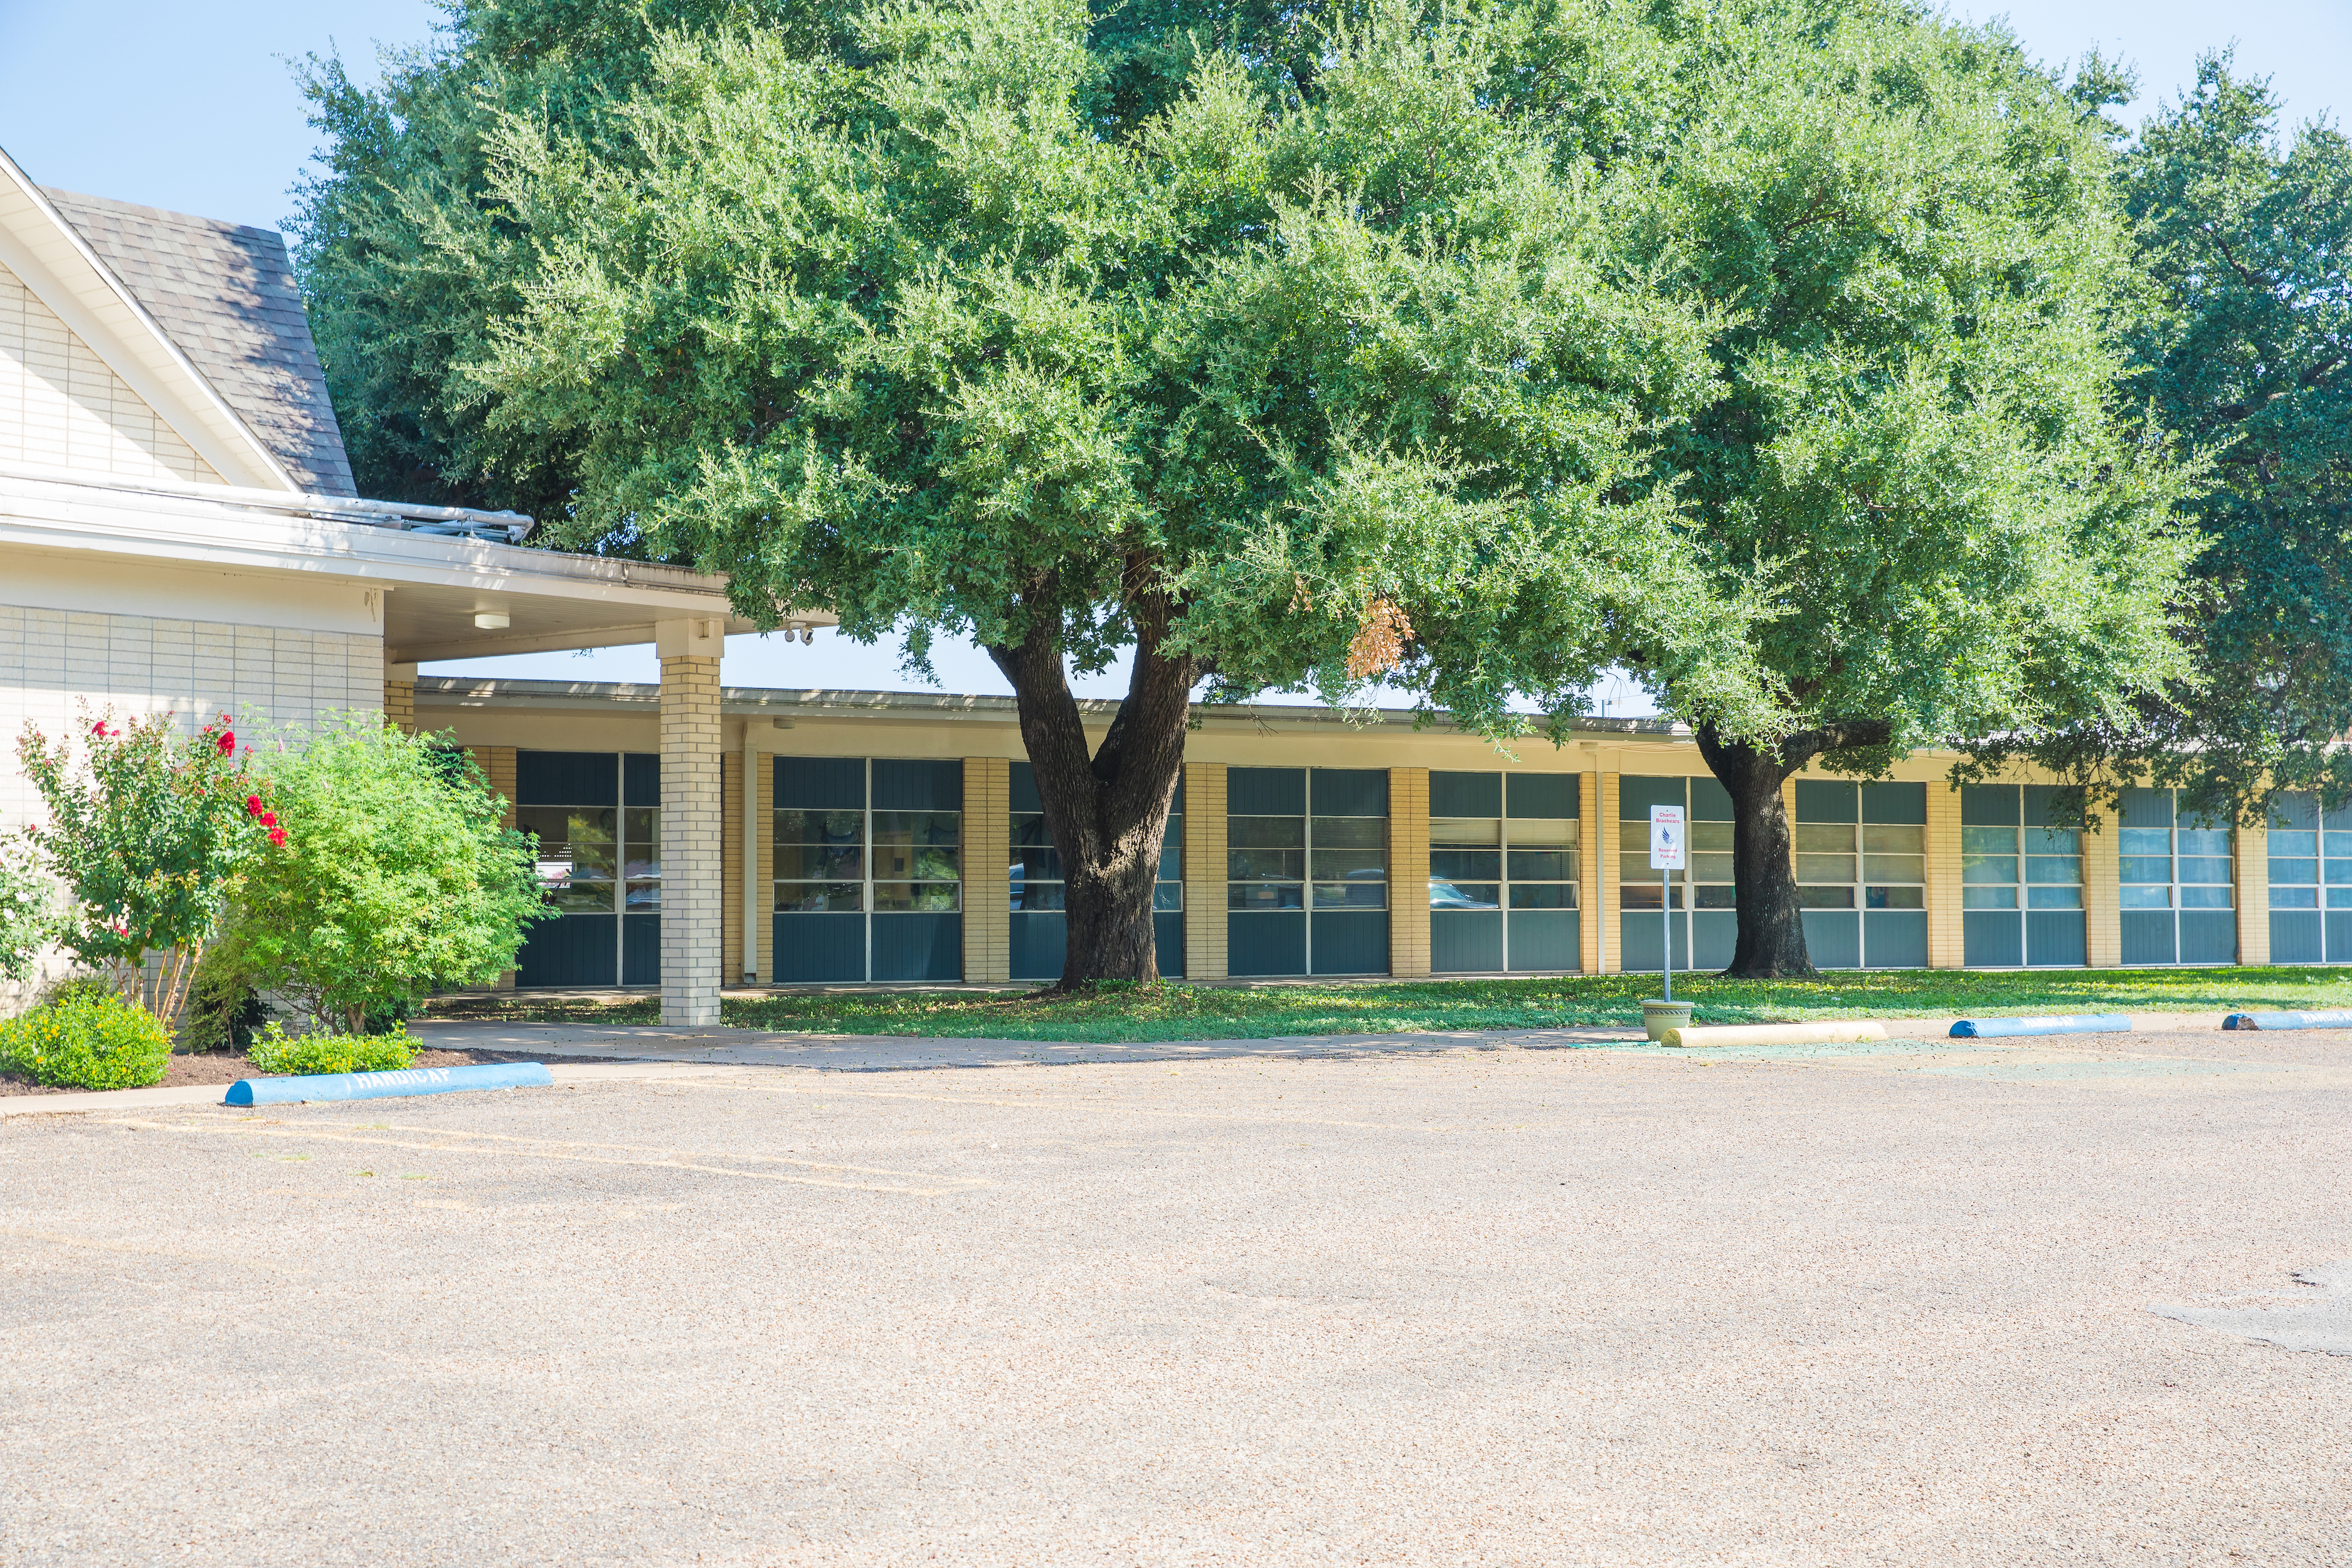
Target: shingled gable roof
column 227, row 296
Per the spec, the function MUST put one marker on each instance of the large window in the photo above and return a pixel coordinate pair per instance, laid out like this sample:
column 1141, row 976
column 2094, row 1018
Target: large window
column 1697, row 904
column 2020, row 877
column 1306, row 870
column 596, row 818
column 2176, row 884
column 868, row 869
column 2311, row 881
column 1502, row 882
column 1862, row 870
column 1040, row 929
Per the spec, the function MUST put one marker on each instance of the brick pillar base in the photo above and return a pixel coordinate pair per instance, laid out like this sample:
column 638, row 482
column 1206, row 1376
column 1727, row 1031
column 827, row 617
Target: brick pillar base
column 693, row 837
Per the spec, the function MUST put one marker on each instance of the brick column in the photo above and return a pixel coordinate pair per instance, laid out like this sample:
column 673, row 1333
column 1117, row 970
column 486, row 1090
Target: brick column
column 731, row 861
column 498, row 765
column 693, row 820
column 763, row 896
column 1204, row 870
column 1588, row 873
column 1408, row 873
column 987, row 874
column 1946, row 938
column 2102, row 917
column 1604, row 851
column 400, row 697
column 2253, row 870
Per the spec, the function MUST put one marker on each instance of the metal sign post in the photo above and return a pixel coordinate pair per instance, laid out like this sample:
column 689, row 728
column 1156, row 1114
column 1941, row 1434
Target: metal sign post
column 1666, row 844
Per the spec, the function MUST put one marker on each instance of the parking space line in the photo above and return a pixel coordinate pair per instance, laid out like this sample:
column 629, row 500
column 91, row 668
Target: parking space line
column 916, row 1184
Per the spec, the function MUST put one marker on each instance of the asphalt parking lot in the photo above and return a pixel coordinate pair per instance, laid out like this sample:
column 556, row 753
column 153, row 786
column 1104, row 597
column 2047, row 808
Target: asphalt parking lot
column 1828, row 1307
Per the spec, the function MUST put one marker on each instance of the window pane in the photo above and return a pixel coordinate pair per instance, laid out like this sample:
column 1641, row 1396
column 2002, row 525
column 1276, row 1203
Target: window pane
column 2335, row 845
column 2053, row 868
column 1894, row 868
column 1171, row 862
column 2144, row 841
column 2204, row 841
column 2200, row 870
column 2054, row 841
column 1168, row 896
column 1825, row 838
column 1705, row 835
column 1711, row 868
column 1988, row 840
column 2158, row 897
column 1543, row 896
column 2337, row 871
column 1714, row 896
column 1033, row 863
column 1989, row 868
column 1265, row 865
column 1987, row 897
column 1895, row 898
column 1549, row 832
column 1632, row 900
column 2305, row 871
column 922, row 828
column 929, row 897
column 1471, row 832
column 823, row 827
column 644, row 824
column 1355, row 865
column 916, row 846
column 2054, row 898
column 1265, row 833
column 1037, row 896
column 1445, row 894
column 1362, row 893
column 1265, row 896
column 1825, row 898
column 1889, row 838
column 642, row 898
column 1174, row 837
column 1472, row 864
column 2145, row 869
column 1543, row 866
column 2294, row 898
column 2284, row 841
column 2207, row 899
column 1634, row 866
column 1825, row 868
column 2339, row 897
column 807, row 896
column 1352, row 832
column 820, row 863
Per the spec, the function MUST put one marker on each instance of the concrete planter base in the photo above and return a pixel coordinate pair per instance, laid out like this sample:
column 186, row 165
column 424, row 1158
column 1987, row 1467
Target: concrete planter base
column 1657, row 1017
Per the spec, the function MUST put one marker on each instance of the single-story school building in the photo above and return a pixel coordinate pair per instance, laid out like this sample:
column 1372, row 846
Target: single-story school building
column 181, row 534
column 883, row 836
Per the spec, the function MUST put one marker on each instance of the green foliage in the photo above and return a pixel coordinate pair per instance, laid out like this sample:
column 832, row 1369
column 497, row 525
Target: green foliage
column 2247, row 354
column 87, row 1037
column 148, row 836
column 223, row 1009
column 395, row 879
column 28, row 910
column 273, row 1050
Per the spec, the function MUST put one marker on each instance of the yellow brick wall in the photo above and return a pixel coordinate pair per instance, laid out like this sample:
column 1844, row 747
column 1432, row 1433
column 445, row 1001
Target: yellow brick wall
column 2103, row 919
column 498, row 765
column 987, row 860
column 763, row 797
column 400, row 705
column 1604, row 851
column 2253, row 868
column 1945, row 946
column 60, row 405
column 1588, row 876
column 730, row 869
column 1409, row 872
column 1204, row 870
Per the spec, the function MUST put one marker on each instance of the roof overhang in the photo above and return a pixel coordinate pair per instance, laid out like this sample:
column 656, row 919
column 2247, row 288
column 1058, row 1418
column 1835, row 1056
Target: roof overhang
column 52, row 260
column 437, row 587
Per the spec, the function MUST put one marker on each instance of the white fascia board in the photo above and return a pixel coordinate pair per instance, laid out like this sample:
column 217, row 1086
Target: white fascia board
column 49, row 255
column 42, row 514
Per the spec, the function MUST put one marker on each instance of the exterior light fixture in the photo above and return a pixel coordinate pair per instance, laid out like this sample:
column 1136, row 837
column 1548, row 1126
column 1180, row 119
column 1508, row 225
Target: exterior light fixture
column 491, row 620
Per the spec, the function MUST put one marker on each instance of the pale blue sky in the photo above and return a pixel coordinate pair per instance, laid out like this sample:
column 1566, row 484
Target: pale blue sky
column 192, row 107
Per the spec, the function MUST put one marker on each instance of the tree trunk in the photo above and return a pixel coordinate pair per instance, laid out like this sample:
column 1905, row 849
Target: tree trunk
column 1771, row 943
column 1107, row 811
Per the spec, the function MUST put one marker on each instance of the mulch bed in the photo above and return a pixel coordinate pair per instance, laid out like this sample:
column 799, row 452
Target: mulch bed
column 227, row 1066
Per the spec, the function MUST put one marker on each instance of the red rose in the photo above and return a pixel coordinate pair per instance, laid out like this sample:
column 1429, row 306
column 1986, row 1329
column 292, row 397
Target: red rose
column 227, row 742
column 268, row 819
column 253, row 806
column 277, row 836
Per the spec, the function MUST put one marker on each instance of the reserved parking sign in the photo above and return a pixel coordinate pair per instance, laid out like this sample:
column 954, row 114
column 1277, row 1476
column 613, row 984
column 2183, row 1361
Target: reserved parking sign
column 1666, row 839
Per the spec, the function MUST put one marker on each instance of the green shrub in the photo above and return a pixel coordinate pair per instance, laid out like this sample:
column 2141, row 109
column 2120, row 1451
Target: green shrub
column 87, row 1038
column 224, row 1012
column 273, row 1050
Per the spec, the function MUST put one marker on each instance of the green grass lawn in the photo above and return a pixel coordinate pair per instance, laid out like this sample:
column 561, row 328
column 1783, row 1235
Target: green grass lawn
column 1173, row 1011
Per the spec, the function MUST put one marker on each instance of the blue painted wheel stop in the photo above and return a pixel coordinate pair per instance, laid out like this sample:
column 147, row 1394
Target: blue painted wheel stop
column 2335, row 1018
column 2064, row 1024
column 386, row 1085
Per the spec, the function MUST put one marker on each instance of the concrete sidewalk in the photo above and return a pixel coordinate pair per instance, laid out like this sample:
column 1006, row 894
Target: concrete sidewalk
column 119, row 1099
